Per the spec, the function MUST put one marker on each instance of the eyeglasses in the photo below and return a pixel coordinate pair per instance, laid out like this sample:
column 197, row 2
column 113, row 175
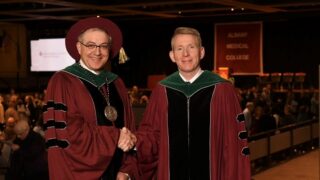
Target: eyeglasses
column 92, row 46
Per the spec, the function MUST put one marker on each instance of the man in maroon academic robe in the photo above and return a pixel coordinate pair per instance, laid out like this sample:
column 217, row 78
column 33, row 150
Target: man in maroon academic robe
column 82, row 137
column 193, row 127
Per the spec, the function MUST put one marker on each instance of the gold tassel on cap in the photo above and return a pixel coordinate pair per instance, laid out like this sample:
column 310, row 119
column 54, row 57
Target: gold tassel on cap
column 122, row 56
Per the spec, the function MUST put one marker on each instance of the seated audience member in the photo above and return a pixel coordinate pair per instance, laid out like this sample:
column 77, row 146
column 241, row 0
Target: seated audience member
column 9, row 133
column 266, row 96
column 303, row 113
column 262, row 120
column 268, row 121
column 251, row 94
column 21, row 107
column 5, row 151
column 287, row 117
column 247, row 112
column 13, row 96
column 31, row 110
column 135, row 95
column 144, row 99
column 11, row 112
column 1, row 110
column 291, row 100
column 38, row 128
column 29, row 157
column 7, row 136
column 314, row 105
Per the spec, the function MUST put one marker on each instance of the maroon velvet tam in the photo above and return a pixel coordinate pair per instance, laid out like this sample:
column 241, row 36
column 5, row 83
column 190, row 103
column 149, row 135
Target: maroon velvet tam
column 93, row 22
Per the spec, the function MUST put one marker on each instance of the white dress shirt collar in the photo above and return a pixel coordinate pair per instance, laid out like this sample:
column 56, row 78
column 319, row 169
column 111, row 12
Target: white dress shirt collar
column 86, row 67
column 193, row 78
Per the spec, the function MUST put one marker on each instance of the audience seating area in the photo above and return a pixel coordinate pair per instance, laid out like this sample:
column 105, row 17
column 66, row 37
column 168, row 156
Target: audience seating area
column 267, row 149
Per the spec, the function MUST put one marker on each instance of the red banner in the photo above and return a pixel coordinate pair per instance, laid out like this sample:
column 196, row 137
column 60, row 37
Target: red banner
column 239, row 47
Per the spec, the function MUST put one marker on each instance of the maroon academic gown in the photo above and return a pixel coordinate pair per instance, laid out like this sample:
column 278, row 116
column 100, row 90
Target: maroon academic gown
column 226, row 147
column 79, row 148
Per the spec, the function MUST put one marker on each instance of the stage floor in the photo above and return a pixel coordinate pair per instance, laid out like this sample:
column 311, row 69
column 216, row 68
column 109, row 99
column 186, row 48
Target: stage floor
column 305, row 167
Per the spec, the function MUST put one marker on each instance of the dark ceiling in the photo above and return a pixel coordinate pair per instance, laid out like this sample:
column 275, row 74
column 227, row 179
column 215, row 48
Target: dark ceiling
column 32, row 11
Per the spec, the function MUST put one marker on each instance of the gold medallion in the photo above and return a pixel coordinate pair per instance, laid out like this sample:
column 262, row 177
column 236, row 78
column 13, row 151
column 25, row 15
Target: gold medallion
column 111, row 113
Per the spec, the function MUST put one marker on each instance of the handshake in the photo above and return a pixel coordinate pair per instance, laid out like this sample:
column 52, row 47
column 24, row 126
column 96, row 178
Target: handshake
column 127, row 140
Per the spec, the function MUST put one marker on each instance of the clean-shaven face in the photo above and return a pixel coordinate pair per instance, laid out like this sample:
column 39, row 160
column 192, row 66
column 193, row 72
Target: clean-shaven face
column 94, row 48
column 186, row 53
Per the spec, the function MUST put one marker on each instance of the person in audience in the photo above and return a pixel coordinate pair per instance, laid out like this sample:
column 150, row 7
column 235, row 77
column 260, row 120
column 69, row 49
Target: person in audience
column 21, row 107
column 13, row 96
column 3, row 162
column 292, row 103
column 303, row 113
column 287, row 117
column 39, row 128
column 7, row 136
column 38, row 103
column 193, row 127
column 135, row 95
column 30, row 110
column 87, row 107
column 144, row 100
column 266, row 96
column 262, row 120
column 9, row 133
column 11, row 111
column 5, row 150
column 314, row 105
column 248, row 111
column 251, row 94
column 29, row 156
column 257, row 114
column 2, row 110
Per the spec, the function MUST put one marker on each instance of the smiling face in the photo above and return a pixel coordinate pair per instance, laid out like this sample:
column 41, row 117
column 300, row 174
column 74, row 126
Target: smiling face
column 186, row 53
column 94, row 48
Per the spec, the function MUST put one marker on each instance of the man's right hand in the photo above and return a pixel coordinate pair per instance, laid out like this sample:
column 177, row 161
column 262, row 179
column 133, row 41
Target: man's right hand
column 127, row 140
